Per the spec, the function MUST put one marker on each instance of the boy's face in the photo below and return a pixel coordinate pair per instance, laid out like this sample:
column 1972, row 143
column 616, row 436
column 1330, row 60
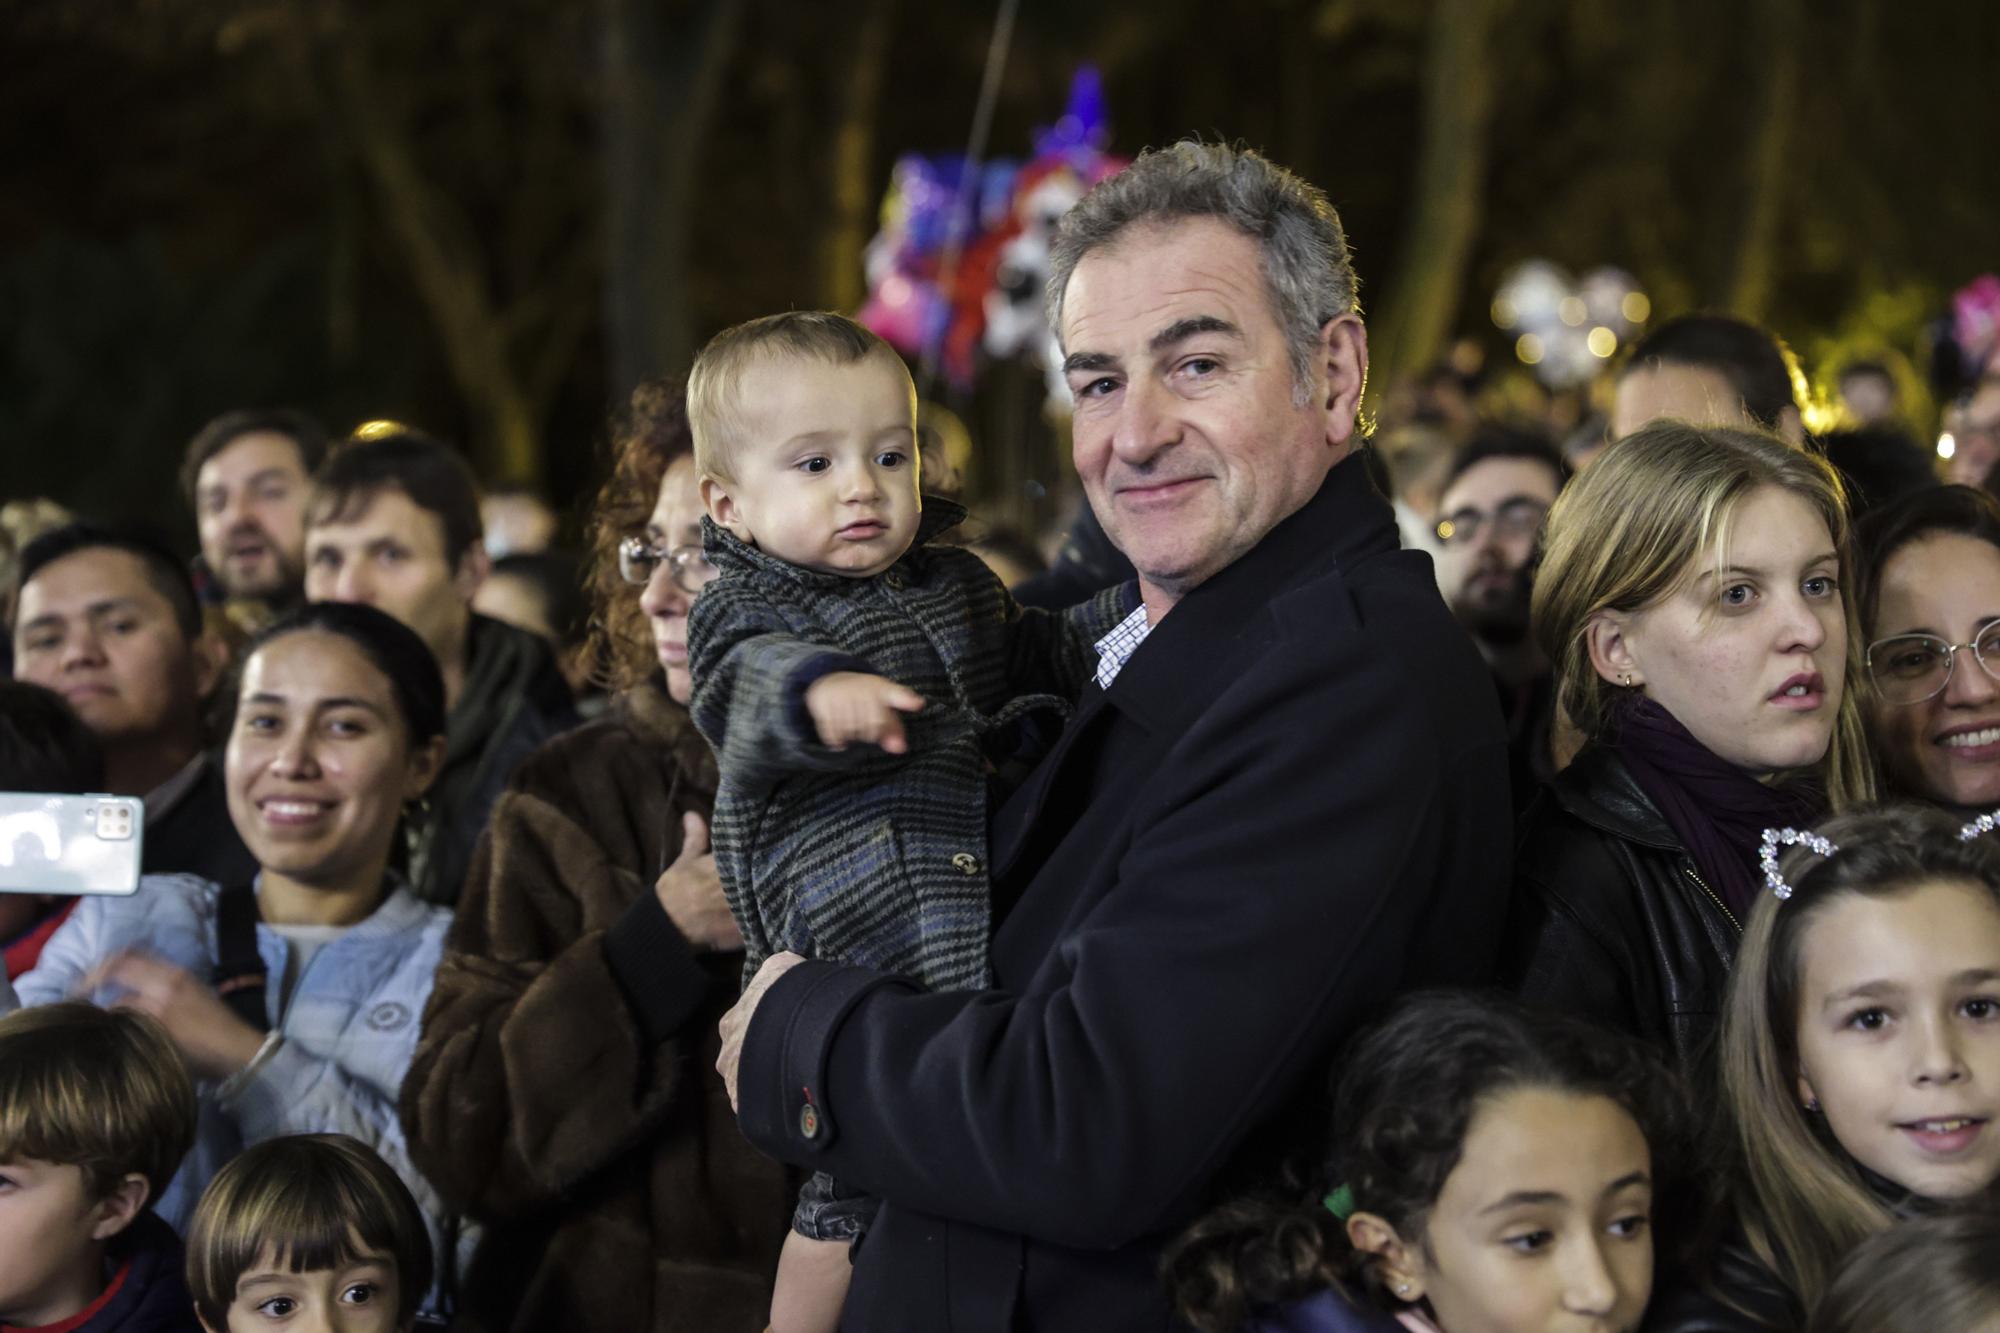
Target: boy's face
column 51, row 1235
column 360, row 1297
column 825, row 472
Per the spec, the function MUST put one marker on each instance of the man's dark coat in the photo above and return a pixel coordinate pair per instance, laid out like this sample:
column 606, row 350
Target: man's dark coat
column 1291, row 805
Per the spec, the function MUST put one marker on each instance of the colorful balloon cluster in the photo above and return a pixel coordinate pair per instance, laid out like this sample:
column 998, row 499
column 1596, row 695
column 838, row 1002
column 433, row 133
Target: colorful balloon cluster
column 956, row 272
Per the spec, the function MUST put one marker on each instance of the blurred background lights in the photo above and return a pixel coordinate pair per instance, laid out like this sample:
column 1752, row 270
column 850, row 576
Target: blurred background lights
column 1567, row 328
column 1946, row 445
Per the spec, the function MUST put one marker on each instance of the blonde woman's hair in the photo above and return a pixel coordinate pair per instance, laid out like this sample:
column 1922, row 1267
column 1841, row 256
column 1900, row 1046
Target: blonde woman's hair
column 1637, row 525
column 714, row 391
column 305, row 1202
column 1802, row 1201
column 99, row 1089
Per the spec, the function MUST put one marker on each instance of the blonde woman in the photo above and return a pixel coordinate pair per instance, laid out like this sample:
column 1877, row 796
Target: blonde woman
column 1692, row 598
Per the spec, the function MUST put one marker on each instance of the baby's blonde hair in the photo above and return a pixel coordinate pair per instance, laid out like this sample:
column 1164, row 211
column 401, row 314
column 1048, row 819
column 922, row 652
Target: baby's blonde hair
column 713, row 401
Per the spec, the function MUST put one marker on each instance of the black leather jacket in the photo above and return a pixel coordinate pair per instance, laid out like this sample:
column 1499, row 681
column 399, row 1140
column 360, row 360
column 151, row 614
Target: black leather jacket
column 1610, row 920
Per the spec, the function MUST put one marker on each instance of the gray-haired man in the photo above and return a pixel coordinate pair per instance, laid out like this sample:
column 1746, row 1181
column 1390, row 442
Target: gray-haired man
column 1283, row 800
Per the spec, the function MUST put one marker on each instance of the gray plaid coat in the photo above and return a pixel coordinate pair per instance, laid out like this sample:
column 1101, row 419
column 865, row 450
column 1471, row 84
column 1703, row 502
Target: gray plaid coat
column 855, row 855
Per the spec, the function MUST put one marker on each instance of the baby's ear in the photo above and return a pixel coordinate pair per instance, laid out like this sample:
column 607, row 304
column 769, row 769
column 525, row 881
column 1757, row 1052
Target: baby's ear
column 723, row 508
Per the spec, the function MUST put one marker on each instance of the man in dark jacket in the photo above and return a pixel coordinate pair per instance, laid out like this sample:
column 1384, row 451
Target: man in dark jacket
column 108, row 619
column 394, row 522
column 1282, row 801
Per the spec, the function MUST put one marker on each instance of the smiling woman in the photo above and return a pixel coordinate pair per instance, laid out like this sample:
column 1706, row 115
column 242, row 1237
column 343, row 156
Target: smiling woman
column 294, row 998
column 1930, row 599
column 1692, row 598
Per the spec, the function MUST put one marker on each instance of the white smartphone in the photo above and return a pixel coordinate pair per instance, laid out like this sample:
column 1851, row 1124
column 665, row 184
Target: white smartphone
column 70, row 844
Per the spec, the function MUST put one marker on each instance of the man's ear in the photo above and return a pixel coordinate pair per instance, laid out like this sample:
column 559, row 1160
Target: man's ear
column 1791, row 426
column 1343, row 352
column 116, row 1210
column 722, row 507
column 426, row 761
column 473, row 567
column 211, row 661
column 1397, row 1264
column 1611, row 649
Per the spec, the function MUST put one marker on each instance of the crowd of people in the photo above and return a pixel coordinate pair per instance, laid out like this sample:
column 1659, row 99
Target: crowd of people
column 1461, row 880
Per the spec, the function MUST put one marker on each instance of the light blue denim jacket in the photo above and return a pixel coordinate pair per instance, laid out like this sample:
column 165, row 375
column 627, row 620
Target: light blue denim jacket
column 349, row 1031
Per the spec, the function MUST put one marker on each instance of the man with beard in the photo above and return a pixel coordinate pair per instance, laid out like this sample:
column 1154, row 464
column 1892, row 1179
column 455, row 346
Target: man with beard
column 247, row 475
column 1490, row 513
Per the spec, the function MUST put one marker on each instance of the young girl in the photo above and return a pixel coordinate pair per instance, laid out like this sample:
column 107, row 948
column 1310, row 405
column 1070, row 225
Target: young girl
column 1928, row 1274
column 309, row 1229
column 1860, row 1055
column 1491, row 1169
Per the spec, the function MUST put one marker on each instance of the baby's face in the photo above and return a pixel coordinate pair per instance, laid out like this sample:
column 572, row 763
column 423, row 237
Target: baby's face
column 825, row 472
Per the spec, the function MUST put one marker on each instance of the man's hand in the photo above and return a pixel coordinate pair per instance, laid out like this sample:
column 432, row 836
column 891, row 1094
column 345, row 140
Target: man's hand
column 737, row 1021
column 851, row 706
column 212, row 1039
column 691, row 892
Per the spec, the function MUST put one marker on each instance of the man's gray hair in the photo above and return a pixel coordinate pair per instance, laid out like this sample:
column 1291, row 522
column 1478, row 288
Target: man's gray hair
column 1306, row 264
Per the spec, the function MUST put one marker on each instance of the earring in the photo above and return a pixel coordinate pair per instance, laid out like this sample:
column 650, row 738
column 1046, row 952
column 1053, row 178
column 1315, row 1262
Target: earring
column 1812, row 1105
column 1625, row 679
column 1403, row 1289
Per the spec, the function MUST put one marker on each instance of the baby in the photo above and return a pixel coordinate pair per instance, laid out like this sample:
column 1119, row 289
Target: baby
column 858, row 681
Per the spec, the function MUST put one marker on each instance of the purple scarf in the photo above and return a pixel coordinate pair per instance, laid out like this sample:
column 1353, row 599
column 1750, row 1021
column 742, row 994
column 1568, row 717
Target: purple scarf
column 1717, row 810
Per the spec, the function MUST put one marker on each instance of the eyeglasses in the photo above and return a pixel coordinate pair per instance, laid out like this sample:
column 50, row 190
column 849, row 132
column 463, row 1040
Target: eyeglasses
column 1911, row 668
column 686, row 565
column 1516, row 518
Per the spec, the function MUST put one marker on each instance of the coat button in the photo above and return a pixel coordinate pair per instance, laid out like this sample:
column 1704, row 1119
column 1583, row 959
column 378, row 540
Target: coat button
column 809, row 1121
column 967, row 863
column 894, row 578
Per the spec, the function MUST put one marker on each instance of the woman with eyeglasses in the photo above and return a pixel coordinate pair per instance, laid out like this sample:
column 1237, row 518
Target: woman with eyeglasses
column 1692, row 600
column 564, row 1087
column 1930, row 599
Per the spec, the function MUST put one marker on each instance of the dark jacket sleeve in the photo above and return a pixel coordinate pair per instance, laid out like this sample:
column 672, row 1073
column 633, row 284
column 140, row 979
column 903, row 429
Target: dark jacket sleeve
column 1740, row 1295
column 1553, row 959
column 1262, row 908
column 541, row 1060
column 1055, row 652
column 750, row 670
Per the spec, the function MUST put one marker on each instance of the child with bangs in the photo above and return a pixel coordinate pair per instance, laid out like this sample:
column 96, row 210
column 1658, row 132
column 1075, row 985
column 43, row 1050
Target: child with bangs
column 314, row 1228
column 96, row 1112
column 1860, row 1058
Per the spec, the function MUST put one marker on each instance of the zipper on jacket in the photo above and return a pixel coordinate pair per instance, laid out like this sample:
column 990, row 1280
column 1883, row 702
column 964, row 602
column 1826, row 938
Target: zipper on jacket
column 1712, row 897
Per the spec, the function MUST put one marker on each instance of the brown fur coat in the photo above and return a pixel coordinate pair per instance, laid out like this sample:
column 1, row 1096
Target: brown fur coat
column 564, row 1091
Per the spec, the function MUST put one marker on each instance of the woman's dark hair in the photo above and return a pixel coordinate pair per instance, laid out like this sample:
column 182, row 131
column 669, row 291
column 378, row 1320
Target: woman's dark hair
column 1965, row 511
column 44, row 745
column 1405, row 1095
column 1920, row 1276
column 1759, row 367
column 393, row 647
column 646, row 439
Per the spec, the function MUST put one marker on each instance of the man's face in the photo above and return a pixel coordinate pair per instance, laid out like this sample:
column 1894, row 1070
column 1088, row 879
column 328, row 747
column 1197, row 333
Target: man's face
column 390, row 554
column 1976, row 430
column 93, row 628
column 1695, row 394
column 250, row 507
column 1495, row 508
column 1188, row 437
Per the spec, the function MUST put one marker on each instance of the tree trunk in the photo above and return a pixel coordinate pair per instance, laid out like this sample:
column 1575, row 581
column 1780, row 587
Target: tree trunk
column 1775, row 36
column 659, row 94
column 1458, row 89
column 853, row 176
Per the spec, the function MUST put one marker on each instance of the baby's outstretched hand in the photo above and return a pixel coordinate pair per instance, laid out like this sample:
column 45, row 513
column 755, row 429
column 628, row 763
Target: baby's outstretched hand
column 850, row 706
